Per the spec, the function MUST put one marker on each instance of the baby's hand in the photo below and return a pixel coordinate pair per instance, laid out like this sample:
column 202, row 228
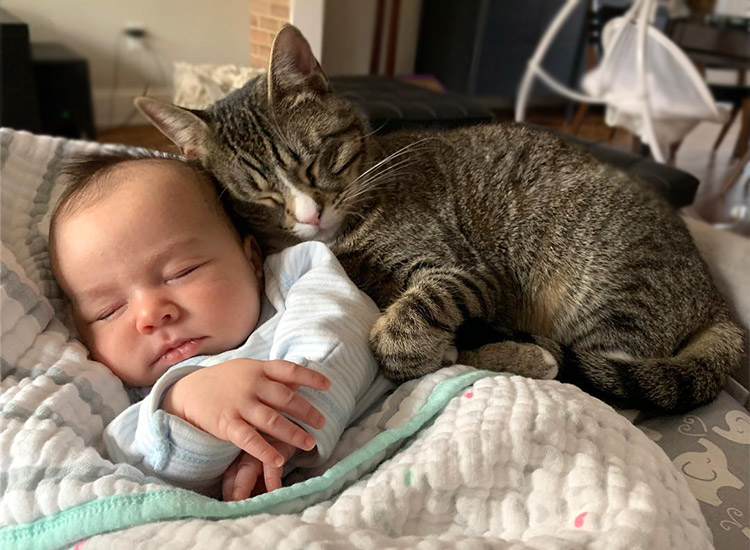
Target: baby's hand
column 234, row 399
column 243, row 480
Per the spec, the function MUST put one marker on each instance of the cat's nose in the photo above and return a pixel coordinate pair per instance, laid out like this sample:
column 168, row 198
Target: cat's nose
column 307, row 210
column 313, row 218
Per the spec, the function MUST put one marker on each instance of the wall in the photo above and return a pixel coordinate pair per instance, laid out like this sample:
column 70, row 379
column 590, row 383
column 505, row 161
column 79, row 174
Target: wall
column 266, row 18
column 348, row 33
column 197, row 31
column 308, row 16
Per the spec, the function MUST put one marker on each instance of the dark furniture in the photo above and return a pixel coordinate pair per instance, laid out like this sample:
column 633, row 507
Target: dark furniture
column 481, row 47
column 62, row 83
column 19, row 107
column 391, row 104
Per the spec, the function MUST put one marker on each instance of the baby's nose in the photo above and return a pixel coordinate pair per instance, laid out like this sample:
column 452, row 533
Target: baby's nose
column 154, row 313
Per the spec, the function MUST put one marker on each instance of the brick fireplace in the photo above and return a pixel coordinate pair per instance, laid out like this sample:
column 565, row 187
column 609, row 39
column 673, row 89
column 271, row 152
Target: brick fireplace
column 266, row 18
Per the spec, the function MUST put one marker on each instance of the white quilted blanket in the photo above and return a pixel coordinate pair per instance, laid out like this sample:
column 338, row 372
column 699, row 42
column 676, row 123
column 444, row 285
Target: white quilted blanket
column 458, row 459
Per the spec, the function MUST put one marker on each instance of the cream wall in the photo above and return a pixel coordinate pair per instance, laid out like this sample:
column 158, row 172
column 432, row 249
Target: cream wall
column 349, row 28
column 197, row 31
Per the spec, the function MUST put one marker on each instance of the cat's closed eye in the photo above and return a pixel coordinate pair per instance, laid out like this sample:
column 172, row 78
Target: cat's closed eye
column 271, row 200
column 345, row 156
column 312, row 171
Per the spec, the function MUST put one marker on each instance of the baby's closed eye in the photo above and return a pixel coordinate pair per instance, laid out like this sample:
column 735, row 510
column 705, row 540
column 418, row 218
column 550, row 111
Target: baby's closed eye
column 182, row 273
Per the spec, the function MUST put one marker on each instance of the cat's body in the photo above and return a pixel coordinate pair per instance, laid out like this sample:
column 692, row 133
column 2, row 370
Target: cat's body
column 505, row 241
column 556, row 245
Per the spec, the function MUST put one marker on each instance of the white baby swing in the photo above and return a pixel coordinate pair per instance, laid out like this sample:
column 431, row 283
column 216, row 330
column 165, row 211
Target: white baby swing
column 649, row 86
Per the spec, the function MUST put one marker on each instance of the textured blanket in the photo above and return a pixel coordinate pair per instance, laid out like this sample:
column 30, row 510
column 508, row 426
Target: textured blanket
column 458, row 459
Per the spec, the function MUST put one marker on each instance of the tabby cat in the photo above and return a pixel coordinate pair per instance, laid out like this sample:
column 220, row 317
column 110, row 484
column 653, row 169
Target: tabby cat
column 501, row 246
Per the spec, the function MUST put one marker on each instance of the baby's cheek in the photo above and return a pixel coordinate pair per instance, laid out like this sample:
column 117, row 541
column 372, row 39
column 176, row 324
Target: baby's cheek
column 110, row 350
column 245, row 309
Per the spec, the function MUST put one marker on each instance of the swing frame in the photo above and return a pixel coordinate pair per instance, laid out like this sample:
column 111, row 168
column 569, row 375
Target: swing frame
column 641, row 13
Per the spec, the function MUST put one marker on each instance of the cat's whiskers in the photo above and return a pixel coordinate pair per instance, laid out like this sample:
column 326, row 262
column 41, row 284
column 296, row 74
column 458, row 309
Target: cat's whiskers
column 364, row 137
column 353, row 200
column 366, row 186
column 223, row 190
column 390, row 157
column 365, row 182
column 386, row 170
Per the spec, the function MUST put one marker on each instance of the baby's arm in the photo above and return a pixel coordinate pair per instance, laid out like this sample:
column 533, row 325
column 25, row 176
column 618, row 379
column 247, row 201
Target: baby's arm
column 324, row 325
column 164, row 445
column 208, row 414
column 236, row 398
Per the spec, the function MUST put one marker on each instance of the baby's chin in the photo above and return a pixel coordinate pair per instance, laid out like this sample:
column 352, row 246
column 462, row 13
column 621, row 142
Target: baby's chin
column 147, row 377
column 141, row 381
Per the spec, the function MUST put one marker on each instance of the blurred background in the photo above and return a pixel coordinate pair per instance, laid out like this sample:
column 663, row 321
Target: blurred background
column 73, row 68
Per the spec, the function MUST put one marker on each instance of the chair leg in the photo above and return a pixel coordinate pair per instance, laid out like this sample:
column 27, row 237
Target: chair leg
column 725, row 128
column 735, row 173
column 735, row 109
column 673, row 152
column 741, row 147
column 575, row 126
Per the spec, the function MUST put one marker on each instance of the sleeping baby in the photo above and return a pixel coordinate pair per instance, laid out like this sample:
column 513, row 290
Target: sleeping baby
column 162, row 286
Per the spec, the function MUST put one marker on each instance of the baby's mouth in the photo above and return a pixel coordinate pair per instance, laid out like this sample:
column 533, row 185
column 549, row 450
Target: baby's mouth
column 179, row 350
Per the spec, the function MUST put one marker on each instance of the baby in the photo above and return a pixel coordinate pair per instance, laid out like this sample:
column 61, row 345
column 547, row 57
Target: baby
column 162, row 285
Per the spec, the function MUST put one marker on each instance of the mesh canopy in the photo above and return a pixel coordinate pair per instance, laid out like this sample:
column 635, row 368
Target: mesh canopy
column 676, row 95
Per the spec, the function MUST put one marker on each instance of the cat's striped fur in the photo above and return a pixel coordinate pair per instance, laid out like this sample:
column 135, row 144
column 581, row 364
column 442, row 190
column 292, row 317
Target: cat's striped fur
column 507, row 242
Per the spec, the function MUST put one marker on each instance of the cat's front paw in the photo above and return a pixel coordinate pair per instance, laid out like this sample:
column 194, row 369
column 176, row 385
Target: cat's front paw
column 407, row 346
column 524, row 359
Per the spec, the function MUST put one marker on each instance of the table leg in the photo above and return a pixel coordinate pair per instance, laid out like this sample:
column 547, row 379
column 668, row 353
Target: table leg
column 742, row 140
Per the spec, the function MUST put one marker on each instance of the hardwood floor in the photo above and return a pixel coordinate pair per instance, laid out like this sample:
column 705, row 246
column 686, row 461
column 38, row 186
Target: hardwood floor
column 730, row 211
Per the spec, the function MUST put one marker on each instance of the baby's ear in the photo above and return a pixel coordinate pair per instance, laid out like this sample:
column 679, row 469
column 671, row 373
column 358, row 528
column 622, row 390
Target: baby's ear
column 253, row 254
column 183, row 126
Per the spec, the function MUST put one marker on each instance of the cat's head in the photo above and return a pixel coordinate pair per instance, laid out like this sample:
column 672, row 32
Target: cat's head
column 288, row 152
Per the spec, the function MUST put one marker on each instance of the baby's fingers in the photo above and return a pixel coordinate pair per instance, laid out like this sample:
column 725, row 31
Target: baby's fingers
column 240, row 478
column 282, row 398
column 242, row 434
column 287, row 372
column 269, row 421
column 272, row 477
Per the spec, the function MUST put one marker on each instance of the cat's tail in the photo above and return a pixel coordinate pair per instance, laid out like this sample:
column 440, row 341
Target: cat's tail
column 693, row 376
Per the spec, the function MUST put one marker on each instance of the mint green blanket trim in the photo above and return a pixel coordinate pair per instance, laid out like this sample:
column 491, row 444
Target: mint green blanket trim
column 123, row 511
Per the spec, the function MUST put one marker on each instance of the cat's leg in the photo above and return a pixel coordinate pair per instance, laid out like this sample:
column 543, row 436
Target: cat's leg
column 415, row 335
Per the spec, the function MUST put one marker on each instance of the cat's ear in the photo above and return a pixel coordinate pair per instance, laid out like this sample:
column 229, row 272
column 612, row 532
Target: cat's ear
column 293, row 66
column 183, row 126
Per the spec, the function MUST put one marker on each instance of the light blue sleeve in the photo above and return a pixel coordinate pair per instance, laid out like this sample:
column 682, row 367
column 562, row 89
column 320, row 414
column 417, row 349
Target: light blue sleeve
column 164, row 445
column 324, row 324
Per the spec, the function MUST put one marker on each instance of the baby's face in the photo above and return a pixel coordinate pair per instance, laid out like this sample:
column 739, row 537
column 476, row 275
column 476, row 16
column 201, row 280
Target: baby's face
column 155, row 276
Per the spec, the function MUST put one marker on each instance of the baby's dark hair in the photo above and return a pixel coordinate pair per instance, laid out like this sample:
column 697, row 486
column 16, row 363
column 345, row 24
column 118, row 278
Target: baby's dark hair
column 88, row 180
